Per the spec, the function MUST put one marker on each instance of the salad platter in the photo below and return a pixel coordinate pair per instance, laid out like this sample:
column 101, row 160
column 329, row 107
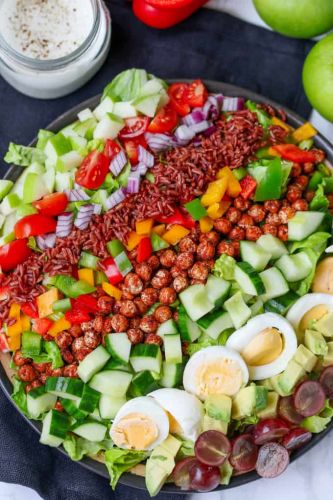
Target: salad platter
column 166, row 288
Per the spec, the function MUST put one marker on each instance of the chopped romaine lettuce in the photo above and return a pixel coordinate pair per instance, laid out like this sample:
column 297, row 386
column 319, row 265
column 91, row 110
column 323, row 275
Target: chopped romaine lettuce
column 316, row 241
column 78, row 447
column 43, row 137
column 225, row 267
column 119, row 461
column 23, row 155
column 319, row 201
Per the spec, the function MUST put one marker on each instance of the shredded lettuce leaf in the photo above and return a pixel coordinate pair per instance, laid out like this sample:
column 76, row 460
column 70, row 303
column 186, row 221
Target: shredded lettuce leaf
column 54, row 354
column 225, row 267
column 244, row 422
column 19, row 396
column 319, row 201
column 316, row 241
column 23, row 156
column 43, row 137
column 78, row 447
column 119, row 461
column 206, row 341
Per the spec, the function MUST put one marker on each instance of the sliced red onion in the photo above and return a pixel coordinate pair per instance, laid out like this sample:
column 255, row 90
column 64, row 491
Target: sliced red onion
column 233, row 104
column 196, row 116
column 197, row 128
column 219, row 98
column 212, row 108
column 118, row 163
column 141, row 168
column 41, row 242
column 115, row 198
column 209, row 131
column 77, row 194
column 184, row 134
column 133, row 182
column 97, row 208
column 145, row 157
column 64, row 224
column 196, row 141
column 84, row 216
column 159, row 142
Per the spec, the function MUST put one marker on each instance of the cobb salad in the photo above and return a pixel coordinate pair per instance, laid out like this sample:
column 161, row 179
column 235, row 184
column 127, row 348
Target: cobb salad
column 166, row 288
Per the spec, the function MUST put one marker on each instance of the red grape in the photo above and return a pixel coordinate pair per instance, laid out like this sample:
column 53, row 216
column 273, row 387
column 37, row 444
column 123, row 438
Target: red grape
column 212, row 448
column 181, row 472
column 204, row 478
column 296, row 438
column 309, row 398
column 244, row 453
column 270, row 429
column 287, row 410
column 272, row 460
column 326, row 380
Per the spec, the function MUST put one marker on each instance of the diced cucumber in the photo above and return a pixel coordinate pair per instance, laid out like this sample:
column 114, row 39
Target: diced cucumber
column 105, row 107
column 119, row 346
column 272, row 245
column 169, row 327
column 93, row 363
column 8, row 227
column 34, row 168
column 68, row 161
column 257, row 307
column 109, row 406
column 143, row 383
column 303, row 224
column 90, row 430
column 79, row 144
column 173, row 348
column 85, row 129
column 49, row 179
column 146, row 357
column 254, row 255
column 65, row 387
column 147, row 105
column 100, row 197
column 5, row 186
column 196, row 302
column 238, row 310
column 69, row 131
column 39, row 401
column 64, row 181
column 88, row 260
column 172, row 374
column 111, row 382
column 294, row 267
column 2, row 220
column 151, row 87
column 34, row 188
column 215, row 323
column 248, row 279
column 89, row 399
column 10, row 203
column 72, row 408
column 115, row 364
column 109, row 127
column 58, row 145
column 85, row 114
column 124, row 110
column 274, row 282
column 217, row 290
column 25, row 209
column 189, row 331
column 55, row 427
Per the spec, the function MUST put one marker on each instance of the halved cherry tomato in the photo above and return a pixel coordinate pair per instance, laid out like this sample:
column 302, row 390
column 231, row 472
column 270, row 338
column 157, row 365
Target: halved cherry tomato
column 131, row 147
column 93, row 170
column 42, row 325
column 13, row 254
column 168, row 4
column 165, row 121
column 197, row 94
column 30, row 309
column 112, row 148
column 178, row 93
column 134, row 127
column 34, row 225
column 52, row 204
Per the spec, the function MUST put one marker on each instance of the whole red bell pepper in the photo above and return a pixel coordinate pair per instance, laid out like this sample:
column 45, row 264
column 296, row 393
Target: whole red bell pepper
column 145, row 250
column 248, row 185
column 178, row 217
column 162, row 16
column 111, row 270
column 293, row 153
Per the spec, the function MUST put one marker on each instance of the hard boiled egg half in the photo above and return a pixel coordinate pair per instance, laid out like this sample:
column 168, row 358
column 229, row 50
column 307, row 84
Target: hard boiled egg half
column 184, row 410
column 266, row 343
column 140, row 424
column 215, row 370
column 308, row 310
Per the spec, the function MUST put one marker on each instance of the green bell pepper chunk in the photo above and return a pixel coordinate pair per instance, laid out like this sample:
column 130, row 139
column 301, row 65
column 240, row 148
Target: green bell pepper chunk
column 157, row 242
column 239, row 173
column 123, row 263
column 196, row 210
column 70, row 287
column 62, row 305
column 115, row 247
column 270, row 178
column 324, row 170
column 263, row 118
column 315, row 180
column 54, row 354
column 100, row 277
column 31, row 344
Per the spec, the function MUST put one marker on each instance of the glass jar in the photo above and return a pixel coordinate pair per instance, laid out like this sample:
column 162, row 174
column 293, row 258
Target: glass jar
column 51, row 78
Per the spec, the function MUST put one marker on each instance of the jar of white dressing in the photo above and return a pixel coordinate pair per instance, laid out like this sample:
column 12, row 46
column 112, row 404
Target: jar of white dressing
column 49, row 48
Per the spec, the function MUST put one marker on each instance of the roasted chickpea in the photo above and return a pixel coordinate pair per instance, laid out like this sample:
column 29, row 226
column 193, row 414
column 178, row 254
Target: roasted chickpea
column 151, row 338
column 241, row 204
column 308, row 168
column 148, row 324
column 187, row 245
column 283, row 232
column 294, row 193
column 285, row 214
column 107, row 325
column 168, row 258
column 140, row 305
column 175, row 272
column 296, row 170
column 128, row 309
column 154, row 262
column 64, row 339
column 119, row 323
column 199, row 271
column 272, row 206
column 237, row 233
column 257, row 212
column 98, row 324
column 92, row 339
column 180, row 283
column 273, row 219
column 245, row 221
column 19, row 360
column 222, row 225
column 27, row 373
column 71, row 371
column 301, row 181
column 161, row 279
column 133, row 284
column 269, row 229
column 300, row 206
column 135, row 335
column 253, row 233
column 149, row 296
column 162, row 313
column 185, row 260
column 233, row 215
column 105, row 304
column 211, row 237
column 144, row 271
column 67, row 356
column 167, row 296
column 76, row 331
column 226, row 247
column 206, row 250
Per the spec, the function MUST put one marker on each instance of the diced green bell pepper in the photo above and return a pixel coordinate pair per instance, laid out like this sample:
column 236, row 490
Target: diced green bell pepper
column 196, row 210
column 115, row 247
column 31, row 344
column 54, row 354
column 157, row 242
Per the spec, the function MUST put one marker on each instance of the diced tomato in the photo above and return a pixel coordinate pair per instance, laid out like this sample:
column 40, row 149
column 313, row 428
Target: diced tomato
column 30, row 309
column 134, row 127
column 77, row 316
column 4, row 346
column 248, row 185
column 165, row 121
column 178, row 93
column 145, row 250
column 111, row 149
column 13, row 254
column 293, row 153
column 85, row 302
column 42, row 325
column 131, row 147
column 34, row 225
column 93, row 170
column 178, row 217
column 52, row 204
column 197, row 94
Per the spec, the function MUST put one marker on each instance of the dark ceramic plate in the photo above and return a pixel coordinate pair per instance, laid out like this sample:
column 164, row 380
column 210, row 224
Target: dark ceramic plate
column 13, row 173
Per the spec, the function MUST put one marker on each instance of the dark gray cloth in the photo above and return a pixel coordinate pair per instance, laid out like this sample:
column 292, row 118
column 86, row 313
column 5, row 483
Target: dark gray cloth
column 209, row 45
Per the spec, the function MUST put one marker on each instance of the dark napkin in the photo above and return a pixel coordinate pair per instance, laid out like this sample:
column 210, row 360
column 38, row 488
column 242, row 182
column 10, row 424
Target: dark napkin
column 209, row 45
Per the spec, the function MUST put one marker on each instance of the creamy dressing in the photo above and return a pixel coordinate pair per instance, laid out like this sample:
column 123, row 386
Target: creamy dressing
column 45, row 29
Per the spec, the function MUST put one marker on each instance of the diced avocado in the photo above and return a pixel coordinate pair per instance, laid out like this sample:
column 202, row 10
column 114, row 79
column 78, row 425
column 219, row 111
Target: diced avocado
column 315, row 423
column 325, row 325
column 314, row 341
column 328, row 358
column 271, row 409
column 160, row 464
column 261, row 397
column 305, row 358
column 248, row 401
column 265, row 383
column 218, row 406
column 275, row 382
column 226, row 472
column 290, row 377
column 211, row 424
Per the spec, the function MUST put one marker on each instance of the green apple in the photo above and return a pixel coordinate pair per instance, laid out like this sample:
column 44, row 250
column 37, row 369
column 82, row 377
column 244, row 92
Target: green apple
column 297, row 18
column 318, row 77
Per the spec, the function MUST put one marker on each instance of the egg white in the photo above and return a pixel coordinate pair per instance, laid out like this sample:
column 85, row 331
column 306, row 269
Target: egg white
column 243, row 336
column 305, row 304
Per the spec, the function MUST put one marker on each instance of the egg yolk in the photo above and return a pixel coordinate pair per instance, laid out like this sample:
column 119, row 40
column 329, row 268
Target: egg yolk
column 174, row 426
column 222, row 376
column 264, row 348
column 135, row 431
column 313, row 314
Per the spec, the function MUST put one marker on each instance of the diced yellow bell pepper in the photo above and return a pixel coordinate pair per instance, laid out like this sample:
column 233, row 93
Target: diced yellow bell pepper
column 234, row 188
column 215, row 192
column 216, row 210
column 133, row 240
column 280, row 123
column 304, row 132
column 14, row 311
column 175, row 234
column 86, row 275
column 15, row 329
column 14, row 342
column 160, row 229
column 144, row 226
column 273, row 152
column 206, row 224
column 25, row 323
column 112, row 290
column 46, row 301
column 58, row 326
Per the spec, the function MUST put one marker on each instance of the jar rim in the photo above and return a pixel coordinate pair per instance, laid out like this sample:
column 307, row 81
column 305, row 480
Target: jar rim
column 51, row 64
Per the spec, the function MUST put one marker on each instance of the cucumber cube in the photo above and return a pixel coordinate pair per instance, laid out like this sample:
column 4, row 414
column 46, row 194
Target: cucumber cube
column 172, row 374
column 10, row 203
column 196, row 302
column 109, row 127
column 93, row 363
column 109, row 406
column 143, row 383
column 303, row 224
column 169, row 327
column 39, row 402
column 294, row 267
column 85, row 129
column 85, row 114
column 124, row 110
column 34, row 188
column 238, row 310
column 55, row 427
column 105, row 107
column 119, row 346
column 274, row 283
column 5, row 187
column 146, row 357
column 254, row 255
column 111, row 382
column 90, row 430
column 68, row 161
column 56, row 146
column 147, row 105
column 173, row 348
column 217, row 290
column 272, row 245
